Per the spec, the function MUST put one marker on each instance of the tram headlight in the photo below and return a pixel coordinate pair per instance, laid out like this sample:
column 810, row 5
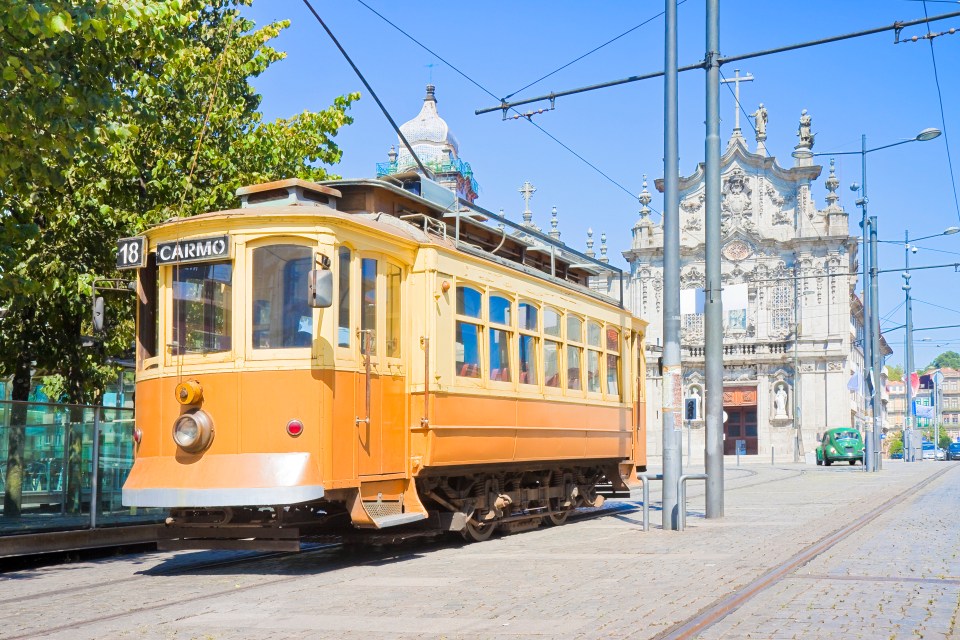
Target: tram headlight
column 193, row 431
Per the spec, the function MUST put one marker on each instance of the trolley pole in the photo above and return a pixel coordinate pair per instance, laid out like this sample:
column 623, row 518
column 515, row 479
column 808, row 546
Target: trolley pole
column 672, row 380
column 713, row 305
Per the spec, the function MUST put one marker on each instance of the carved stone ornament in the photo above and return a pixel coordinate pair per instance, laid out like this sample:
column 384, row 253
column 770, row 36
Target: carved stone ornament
column 735, row 207
column 736, row 250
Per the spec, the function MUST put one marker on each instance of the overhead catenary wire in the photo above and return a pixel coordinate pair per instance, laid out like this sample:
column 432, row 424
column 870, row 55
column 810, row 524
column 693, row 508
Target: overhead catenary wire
column 588, row 53
column 943, row 120
column 492, row 95
column 373, row 93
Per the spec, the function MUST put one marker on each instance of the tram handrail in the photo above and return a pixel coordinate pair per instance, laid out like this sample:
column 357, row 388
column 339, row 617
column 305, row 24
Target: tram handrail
column 425, row 420
column 682, row 494
column 646, row 478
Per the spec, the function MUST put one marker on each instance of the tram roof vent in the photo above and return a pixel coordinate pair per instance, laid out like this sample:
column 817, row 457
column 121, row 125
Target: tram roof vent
column 292, row 191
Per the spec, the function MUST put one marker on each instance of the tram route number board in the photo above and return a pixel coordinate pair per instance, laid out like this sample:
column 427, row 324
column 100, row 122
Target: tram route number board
column 131, row 253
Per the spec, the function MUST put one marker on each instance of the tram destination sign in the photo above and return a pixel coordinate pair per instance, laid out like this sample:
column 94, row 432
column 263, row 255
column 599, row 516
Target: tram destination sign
column 195, row 250
column 131, row 253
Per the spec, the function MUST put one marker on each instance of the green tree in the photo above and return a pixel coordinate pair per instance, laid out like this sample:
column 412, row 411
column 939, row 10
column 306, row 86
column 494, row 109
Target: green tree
column 895, row 439
column 895, row 373
column 947, row 359
column 173, row 130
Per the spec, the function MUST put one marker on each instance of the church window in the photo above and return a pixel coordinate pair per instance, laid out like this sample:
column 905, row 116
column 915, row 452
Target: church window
column 782, row 308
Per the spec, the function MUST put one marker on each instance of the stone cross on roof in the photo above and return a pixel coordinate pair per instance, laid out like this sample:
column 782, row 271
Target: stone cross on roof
column 527, row 191
column 736, row 80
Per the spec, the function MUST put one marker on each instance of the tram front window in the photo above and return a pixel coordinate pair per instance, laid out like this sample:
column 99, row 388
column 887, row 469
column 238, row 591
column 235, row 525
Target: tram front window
column 282, row 317
column 202, row 307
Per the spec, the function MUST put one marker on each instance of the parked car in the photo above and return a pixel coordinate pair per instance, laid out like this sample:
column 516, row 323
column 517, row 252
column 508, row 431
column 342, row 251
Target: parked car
column 930, row 452
column 840, row 445
column 897, row 456
column 953, row 451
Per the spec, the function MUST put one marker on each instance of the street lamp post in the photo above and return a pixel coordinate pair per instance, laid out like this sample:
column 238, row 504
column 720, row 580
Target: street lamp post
column 909, row 419
column 870, row 316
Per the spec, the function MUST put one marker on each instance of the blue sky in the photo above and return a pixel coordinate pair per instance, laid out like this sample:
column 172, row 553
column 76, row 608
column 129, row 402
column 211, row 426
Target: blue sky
column 862, row 86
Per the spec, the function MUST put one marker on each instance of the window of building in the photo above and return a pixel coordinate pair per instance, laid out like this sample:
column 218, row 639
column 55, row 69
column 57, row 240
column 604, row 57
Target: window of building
column 781, row 312
column 468, row 332
column 282, row 317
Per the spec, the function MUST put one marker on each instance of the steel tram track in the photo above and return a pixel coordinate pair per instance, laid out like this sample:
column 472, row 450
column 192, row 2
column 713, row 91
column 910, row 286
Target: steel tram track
column 721, row 608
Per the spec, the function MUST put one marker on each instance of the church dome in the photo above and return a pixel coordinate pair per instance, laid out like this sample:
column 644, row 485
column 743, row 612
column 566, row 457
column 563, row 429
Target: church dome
column 429, row 135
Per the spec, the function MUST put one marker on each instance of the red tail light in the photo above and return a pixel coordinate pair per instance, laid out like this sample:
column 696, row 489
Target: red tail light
column 294, row 428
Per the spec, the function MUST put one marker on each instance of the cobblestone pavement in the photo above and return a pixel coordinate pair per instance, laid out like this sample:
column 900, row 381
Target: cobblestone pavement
column 896, row 577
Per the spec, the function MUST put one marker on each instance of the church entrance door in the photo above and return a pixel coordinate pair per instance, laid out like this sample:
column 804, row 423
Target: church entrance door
column 741, row 424
column 740, row 403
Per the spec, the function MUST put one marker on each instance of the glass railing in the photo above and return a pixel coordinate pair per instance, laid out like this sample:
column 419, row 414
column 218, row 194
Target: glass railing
column 453, row 165
column 51, row 483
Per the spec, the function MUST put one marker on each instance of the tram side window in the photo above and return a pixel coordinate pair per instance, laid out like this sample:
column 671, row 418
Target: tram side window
column 593, row 356
column 551, row 348
column 468, row 349
column 282, row 317
column 343, row 295
column 368, row 304
column 393, row 311
column 529, row 328
column 574, row 352
column 500, row 337
column 613, row 362
column 148, row 330
column 202, row 305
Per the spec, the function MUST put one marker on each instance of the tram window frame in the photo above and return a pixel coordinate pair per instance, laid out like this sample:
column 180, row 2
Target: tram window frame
column 463, row 318
column 170, row 312
column 622, row 336
column 526, row 333
column 556, row 339
column 252, row 309
column 148, row 313
column 574, row 347
column 375, row 350
column 500, row 376
column 594, row 350
column 344, row 297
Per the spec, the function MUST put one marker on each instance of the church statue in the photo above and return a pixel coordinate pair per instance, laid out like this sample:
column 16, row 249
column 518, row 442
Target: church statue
column 780, row 402
column 760, row 117
column 804, row 133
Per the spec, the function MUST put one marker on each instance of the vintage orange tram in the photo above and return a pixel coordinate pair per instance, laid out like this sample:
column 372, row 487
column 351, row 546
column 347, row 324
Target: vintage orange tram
column 373, row 352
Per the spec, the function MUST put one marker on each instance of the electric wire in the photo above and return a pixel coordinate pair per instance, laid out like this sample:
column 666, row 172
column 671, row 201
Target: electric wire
column 943, row 119
column 632, row 195
column 578, row 59
column 373, row 93
column 936, row 305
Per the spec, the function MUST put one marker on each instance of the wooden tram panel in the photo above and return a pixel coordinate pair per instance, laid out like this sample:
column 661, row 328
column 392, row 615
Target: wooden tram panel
column 477, row 427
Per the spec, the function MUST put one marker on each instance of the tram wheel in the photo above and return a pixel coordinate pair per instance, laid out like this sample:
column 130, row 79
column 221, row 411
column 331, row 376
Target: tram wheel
column 557, row 518
column 478, row 532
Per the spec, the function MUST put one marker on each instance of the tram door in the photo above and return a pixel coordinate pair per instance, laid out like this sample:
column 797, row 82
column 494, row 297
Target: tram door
column 380, row 440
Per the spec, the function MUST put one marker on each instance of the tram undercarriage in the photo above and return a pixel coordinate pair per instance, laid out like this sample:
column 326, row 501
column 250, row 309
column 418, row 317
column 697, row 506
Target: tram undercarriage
column 473, row 505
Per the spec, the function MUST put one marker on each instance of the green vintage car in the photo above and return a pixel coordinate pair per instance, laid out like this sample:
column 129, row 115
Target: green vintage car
column 840, row 445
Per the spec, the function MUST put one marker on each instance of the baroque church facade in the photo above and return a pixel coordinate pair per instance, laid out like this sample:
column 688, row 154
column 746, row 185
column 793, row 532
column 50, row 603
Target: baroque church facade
column 791, row 356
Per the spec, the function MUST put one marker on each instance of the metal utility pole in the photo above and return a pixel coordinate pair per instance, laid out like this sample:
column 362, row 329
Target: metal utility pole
column 867, row 323
column 796, row 360
column 672, row 382
column 713, row 305
column 908, row 415
column 875, row 334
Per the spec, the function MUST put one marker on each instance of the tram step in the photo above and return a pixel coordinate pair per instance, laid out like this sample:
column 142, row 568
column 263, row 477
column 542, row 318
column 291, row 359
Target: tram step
column 250, row 544
column 398, row 519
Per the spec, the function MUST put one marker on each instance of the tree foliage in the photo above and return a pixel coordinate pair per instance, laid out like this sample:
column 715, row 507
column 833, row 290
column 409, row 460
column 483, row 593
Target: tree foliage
column 125, row 114
column 946, row 360
column 116, row 116
column 895, row 373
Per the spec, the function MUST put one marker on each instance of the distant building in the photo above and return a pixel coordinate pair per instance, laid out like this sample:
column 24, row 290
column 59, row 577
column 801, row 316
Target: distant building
column 437, row 148
column 944, row 399
column 793, row 326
